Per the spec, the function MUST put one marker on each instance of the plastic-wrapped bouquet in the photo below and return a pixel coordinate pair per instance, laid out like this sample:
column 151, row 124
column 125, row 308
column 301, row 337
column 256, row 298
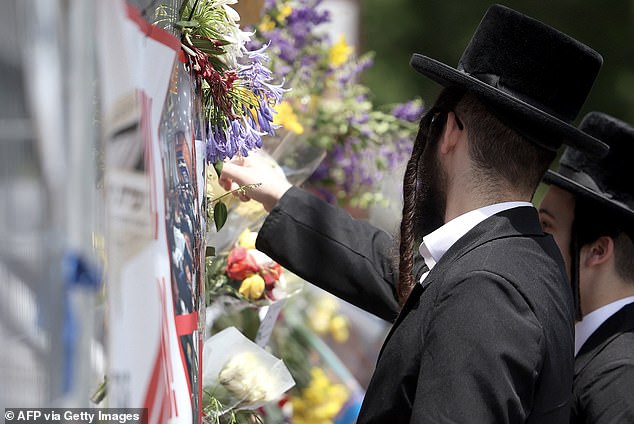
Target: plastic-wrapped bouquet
column 248, row 274
column 238, row 374
column 328, row 107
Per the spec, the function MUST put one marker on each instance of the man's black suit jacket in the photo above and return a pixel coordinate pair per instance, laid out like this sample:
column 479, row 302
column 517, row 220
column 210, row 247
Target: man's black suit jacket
column 604, row 373
column 488, row 338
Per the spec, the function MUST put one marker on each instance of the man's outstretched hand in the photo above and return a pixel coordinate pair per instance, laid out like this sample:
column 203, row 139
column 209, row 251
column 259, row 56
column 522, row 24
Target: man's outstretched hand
column 255, row 169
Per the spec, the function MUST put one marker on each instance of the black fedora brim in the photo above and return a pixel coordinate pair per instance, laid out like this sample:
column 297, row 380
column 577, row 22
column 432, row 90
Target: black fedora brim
column 448, row 76
column 555, row 178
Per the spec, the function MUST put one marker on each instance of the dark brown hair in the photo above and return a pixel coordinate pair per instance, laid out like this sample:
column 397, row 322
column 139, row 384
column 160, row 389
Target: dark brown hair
column 429, row 131
column 593, row 220
column 500, row 153
column 501, row 157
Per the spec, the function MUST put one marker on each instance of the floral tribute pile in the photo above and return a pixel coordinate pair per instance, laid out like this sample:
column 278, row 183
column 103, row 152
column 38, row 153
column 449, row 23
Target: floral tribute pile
column 284, row 80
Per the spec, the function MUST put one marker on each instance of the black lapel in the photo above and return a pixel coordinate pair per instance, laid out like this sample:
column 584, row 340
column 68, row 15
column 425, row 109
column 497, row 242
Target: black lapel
column 521, row 221
column 412, row 301
column 617, row 324
column 508, row 223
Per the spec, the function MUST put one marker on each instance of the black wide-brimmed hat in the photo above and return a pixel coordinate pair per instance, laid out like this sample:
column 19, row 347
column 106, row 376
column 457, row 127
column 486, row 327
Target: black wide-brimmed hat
column 609, row 180
column 535, row 75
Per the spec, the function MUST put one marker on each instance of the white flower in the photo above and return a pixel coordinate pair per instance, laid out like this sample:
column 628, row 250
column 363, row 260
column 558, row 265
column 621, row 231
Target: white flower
column 236, row 47
column 246, row 379
column 231, row 12
column 232, row 33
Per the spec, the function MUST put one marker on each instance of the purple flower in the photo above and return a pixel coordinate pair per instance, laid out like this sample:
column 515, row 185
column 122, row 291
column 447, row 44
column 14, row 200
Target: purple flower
column 258, row 55
column 216, row 144
column 350, row 72
column 309, row 60
column 306, row 13
column 265, row 118
column 259, row 77
column 238, row 137
column 410, row 111
column 297, row 31
column 359, row 119
column 253, row 133
column 256, row 77
column 287, row 49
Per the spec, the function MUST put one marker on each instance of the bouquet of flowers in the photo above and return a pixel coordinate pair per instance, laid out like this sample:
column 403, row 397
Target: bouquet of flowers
column 248, row 274
column 232, row 82
column 324, row 390
column 328, row 107
column 238, row 374
column 237, row 92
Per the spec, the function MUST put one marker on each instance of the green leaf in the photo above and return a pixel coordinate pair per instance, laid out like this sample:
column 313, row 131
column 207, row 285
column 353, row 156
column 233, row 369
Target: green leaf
column 218, row 167
column 188, row 24
column 220, row 215
column 207, row 46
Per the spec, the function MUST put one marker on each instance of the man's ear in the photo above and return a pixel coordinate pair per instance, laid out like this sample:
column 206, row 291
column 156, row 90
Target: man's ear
column 451, row 135
column 599, row 251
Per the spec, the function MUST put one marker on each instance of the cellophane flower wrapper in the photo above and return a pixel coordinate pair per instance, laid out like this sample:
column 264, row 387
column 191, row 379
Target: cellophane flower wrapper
column 241, row 215
column 241, row 374
column 326, row 390
column 296, row 156
column 245, row 267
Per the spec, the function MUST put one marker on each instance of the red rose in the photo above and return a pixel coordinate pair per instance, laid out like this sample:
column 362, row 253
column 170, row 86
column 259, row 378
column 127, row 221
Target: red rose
column 240, row 264
column 271, row 273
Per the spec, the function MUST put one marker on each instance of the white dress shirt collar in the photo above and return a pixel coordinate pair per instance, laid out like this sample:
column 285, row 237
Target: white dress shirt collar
column 436, row 243
column 591, row 322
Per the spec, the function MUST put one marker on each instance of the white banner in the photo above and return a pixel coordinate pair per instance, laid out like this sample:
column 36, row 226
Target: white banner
column 154, row 342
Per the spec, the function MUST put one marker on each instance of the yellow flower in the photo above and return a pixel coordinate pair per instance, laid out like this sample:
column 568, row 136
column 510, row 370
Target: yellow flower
column 339, row 328
column 286, row 117
column 247, row 239
column 252, row 287
column 327, row 303
column 319, row 321
column 267, row 24
column 320, row 402
column 321, row 312
column 339, row 52
column 285, row 11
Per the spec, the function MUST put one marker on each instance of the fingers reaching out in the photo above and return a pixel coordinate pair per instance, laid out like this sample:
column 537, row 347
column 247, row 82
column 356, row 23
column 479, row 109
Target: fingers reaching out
column 256, row 169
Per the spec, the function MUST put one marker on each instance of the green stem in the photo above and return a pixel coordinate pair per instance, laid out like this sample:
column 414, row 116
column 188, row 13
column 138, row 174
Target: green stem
column 244, row 188
column 191, row 14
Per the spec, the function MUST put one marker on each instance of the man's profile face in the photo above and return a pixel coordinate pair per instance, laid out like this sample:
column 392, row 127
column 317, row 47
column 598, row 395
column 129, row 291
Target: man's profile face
column 556, row 214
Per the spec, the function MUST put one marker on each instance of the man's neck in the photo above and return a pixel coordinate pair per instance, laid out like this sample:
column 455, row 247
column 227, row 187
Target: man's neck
column 600, row 283
column 462, row 201
column 608, row 295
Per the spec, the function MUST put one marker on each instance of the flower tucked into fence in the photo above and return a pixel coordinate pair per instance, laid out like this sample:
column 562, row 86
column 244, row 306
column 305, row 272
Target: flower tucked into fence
column 237, row 89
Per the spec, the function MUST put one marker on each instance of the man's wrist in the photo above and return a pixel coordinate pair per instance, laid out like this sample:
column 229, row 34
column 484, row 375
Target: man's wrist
column 274, row 198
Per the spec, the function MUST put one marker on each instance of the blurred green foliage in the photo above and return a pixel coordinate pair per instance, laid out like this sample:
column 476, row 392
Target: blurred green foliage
column 442, row 29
